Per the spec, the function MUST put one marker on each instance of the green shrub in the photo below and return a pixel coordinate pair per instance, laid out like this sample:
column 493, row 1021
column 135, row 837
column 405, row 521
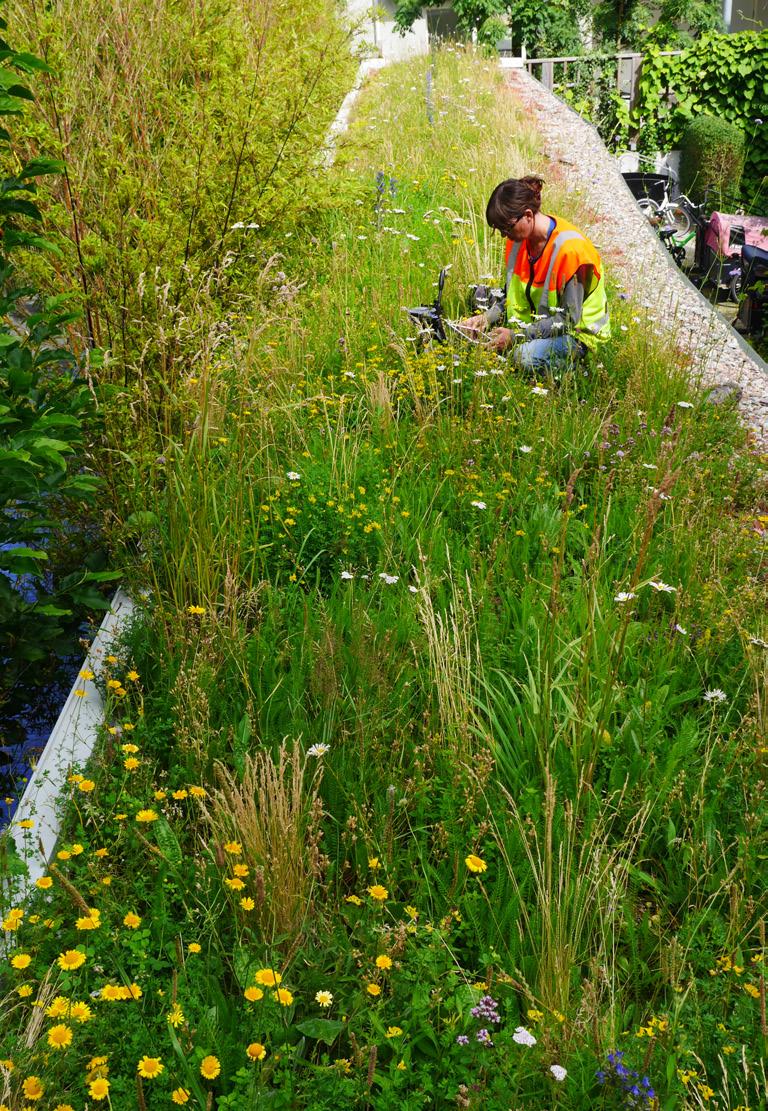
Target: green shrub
column 713, row 156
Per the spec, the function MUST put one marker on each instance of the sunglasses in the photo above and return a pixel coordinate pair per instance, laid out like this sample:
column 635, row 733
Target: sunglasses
column 508, row 228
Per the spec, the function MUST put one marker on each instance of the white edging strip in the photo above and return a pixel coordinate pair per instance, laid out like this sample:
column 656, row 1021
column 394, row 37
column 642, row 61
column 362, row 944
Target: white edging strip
column 340, row 124
column 70, row 744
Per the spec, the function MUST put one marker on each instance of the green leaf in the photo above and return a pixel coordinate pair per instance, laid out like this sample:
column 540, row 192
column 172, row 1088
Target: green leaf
column 321, row 1029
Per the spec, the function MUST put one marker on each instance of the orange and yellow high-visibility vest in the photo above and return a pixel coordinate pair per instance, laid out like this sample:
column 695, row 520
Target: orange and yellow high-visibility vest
column 536, row 290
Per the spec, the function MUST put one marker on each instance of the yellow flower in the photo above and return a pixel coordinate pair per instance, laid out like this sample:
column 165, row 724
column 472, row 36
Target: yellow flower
column 412, row 912
column 750, row 989
column 131, row 920
column 235, row 883
column 86, row 785
column 63, row 1107
column 283, row 997
column 33, row 1087
column 194, row 947
column 146, row 816
column 90, row 921
column 378, row 893
column 13, row 919
column 234, row 848
column 178, row 795
column 101, row 853
column 354, row 899
column 132, row 675
column 373, row 989
column 240, row 870
column 150, row 1067
column 373, row 863
column 210, row 1067
column 81, row 1011
column 98, row 1089
column 256, row 1051
column 247, row 903
column 253, row 995
column 60, row 1036
column 324, row 998
column 86, row 673
column 198, row 792
column 198, row 610
column 44, row 883
column 160, row 795
column 26, row 823
column 176, row 1016
column 475, row 863
column 131, row 764
column 21, row 961
column 383, row 961
column 393, row 1032
column 112, row 659
column 402, row 1066
column 24, row 991
column 70, row 960
column 268, row 978
column 111, row 993
column 180, row 1096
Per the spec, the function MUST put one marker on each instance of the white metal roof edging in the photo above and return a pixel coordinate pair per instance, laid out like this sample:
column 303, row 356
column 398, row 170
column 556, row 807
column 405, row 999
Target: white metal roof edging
column 70, row 744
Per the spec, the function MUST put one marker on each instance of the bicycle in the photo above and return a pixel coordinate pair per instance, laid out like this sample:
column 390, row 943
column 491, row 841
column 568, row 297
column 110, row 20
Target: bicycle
column 669, row 212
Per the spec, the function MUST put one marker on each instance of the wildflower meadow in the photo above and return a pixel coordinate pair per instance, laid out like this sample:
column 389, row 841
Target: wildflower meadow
column 433, row 773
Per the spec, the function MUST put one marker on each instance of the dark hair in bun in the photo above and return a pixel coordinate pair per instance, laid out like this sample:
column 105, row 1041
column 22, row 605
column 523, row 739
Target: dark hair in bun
column 511, row 198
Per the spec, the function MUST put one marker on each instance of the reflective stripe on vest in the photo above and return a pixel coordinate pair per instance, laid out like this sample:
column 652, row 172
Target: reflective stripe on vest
column 563, row 237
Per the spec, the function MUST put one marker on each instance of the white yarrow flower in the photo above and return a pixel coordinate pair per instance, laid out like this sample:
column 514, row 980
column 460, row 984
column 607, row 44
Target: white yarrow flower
column 292, row 476
column 479, row 504
column 347, row 575
column 540, row 391
column 390, row 580
column 523, row 1036
column 684, row 405
column 679, row 629
column 525, row 448
column 558, row 1072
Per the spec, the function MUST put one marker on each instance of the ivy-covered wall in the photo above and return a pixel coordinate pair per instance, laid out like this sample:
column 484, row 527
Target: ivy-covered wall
column 720, row 75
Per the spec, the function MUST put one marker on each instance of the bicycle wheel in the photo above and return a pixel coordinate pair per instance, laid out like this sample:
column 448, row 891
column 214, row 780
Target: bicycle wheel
column 649, row 208
column 679, row 217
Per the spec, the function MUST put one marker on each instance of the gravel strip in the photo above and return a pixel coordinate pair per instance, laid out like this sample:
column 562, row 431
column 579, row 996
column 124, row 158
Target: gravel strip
column 639, row 262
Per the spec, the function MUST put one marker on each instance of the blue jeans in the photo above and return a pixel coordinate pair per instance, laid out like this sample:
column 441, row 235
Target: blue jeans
column 541, row 356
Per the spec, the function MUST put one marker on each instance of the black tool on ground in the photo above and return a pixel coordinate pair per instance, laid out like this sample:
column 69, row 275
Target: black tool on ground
column 433, row 324
column 429, row 318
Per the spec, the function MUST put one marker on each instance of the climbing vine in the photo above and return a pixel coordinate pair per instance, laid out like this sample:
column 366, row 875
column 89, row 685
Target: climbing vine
column 721, row 75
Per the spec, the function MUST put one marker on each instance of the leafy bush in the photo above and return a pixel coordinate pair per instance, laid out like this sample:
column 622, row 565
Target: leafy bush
column 45, row 402
column 713, row 157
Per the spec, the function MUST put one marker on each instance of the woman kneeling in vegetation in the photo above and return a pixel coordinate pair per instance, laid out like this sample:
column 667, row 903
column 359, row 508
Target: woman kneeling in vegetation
column 555, row 287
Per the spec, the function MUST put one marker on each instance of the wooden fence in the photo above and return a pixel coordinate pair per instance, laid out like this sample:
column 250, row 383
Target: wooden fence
column 551, row 71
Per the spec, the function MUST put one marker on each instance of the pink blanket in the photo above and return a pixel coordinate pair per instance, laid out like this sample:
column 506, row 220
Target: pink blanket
column 718, row 232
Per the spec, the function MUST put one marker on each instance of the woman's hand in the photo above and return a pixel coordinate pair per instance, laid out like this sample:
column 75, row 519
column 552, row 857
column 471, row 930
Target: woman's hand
column 500, row 339
column 473, row 325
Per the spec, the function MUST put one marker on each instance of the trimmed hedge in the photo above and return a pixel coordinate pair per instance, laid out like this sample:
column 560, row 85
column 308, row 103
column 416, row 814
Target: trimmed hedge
column 713, row 154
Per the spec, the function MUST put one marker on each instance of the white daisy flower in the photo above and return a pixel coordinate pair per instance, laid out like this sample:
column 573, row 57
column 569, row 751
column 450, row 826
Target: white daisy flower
column 662, row 588
column 292, row 476
column 715, row 695
column 479, row 504
column 525, row 449
column 625, row 596
column 318, row 750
